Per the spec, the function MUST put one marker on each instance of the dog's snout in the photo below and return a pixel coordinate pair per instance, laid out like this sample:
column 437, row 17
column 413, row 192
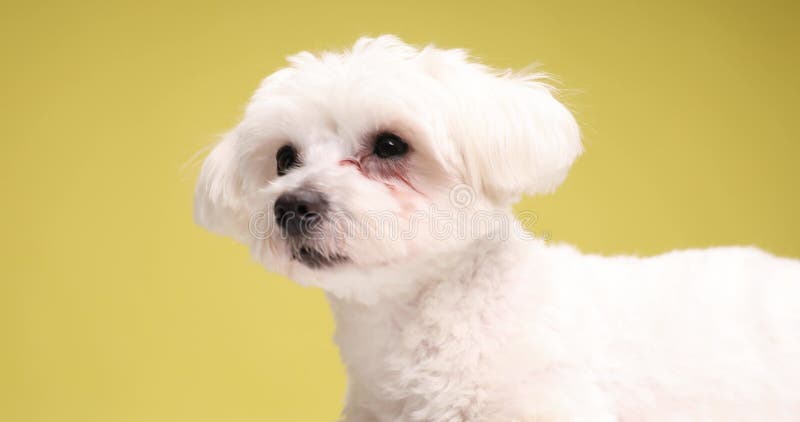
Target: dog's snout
column 301, row 210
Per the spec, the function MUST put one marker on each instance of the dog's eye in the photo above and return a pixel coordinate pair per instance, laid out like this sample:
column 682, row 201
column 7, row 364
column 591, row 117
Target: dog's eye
column 286, row 159
column 389, row 145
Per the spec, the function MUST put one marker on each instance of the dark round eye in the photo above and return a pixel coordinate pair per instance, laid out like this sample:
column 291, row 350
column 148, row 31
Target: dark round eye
column 389, row 145
column 286, row 158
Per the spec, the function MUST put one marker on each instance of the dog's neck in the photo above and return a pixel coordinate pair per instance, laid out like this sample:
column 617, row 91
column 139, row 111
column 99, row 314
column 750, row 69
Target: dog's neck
column 401, row 285
column 368, row 333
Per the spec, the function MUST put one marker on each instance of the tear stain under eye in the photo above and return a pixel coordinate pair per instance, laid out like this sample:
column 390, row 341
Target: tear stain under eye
column 405, row 180
column 392, row 173
column 352, row 162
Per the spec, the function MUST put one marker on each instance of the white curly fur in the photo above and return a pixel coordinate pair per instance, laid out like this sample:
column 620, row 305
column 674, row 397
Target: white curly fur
column 487, row 323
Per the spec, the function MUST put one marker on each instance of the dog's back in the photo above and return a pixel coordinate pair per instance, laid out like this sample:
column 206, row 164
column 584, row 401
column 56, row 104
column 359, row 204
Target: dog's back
column 688, row 335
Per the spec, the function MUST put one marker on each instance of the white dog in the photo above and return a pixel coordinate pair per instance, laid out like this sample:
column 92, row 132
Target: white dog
column 385, row 175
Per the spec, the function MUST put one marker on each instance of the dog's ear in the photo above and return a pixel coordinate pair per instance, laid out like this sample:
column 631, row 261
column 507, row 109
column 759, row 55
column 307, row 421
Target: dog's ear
column 511, row 133
column 218, row 202
column 527, row 140
column 533, row 140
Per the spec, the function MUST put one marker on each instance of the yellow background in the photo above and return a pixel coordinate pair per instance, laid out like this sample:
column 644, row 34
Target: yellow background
column 115, row 307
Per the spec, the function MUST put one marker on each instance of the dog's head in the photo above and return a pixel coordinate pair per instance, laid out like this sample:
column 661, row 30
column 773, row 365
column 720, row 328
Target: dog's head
column 351, row 162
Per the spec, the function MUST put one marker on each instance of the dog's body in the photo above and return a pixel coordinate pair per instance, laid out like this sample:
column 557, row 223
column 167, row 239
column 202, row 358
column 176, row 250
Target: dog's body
column 474, row 320
column 531, row 332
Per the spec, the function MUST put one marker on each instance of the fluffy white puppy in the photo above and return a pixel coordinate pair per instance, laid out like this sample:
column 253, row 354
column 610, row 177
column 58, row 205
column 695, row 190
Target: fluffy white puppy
column 385, row 175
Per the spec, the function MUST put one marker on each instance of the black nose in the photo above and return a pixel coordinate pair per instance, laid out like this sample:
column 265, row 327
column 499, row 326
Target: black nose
column 299, row 211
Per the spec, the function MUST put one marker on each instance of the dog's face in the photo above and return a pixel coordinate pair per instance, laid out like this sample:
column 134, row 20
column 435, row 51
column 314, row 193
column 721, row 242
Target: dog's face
column 354, row 162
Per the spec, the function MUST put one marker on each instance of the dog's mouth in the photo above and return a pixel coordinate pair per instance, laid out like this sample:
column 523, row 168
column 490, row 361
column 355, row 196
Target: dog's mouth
column 313, row 258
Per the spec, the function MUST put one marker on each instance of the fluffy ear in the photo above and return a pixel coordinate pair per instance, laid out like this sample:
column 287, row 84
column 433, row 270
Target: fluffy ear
column 511, row 133
column 528, row 139
column 218, row 202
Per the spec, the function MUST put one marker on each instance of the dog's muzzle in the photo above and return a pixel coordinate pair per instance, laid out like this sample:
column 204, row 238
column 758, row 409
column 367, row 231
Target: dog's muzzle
column 299, row 212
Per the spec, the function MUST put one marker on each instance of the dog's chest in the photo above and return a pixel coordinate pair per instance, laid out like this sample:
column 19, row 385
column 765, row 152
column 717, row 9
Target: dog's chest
column 423, row 356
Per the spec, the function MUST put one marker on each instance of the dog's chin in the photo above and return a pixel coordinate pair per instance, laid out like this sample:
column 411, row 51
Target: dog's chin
column 314, row 259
